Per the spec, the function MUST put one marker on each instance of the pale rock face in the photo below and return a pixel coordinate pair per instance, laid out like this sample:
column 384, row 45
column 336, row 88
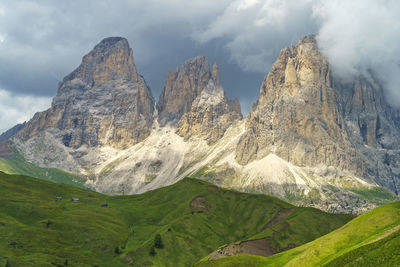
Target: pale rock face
column 210, row 116
column 308, row 118
column 196, row 100
column 111, row 59
column 181, row 88
column 103, row 102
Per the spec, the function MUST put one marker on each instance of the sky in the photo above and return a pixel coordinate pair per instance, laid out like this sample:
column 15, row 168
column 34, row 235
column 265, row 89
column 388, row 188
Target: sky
column 41, row 41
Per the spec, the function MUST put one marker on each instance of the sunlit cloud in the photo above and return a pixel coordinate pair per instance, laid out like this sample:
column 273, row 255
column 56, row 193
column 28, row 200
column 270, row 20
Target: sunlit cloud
column 19, row 108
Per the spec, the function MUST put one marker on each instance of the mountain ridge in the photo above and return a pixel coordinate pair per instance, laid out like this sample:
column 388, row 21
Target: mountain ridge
column 303, row 117
column 301, row 141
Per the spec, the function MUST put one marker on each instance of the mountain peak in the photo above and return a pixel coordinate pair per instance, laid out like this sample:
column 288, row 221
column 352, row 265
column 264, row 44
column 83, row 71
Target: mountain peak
column 196, row 65
column 303, row 107
column 112, row 41
column 182, row 87
column 110, row 45
column 195, row 60
column 102, row 102
column 111, row 59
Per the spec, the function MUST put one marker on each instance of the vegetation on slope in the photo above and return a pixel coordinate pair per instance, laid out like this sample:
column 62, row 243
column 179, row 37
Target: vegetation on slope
column 172, row 226
column 372, row 239
column 35, row 231
column 384, row 252
column 16, row 164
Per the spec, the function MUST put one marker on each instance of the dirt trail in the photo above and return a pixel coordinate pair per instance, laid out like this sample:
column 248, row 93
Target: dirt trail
column 259, row 247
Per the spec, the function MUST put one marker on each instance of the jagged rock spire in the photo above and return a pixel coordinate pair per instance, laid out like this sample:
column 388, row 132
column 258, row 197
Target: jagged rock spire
column 182, row 87
column 111, row 59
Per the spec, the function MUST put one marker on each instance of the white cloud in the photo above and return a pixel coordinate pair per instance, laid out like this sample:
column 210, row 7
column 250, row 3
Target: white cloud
column 255, row 31
column 355, row 35
column 362, row 35
column 245, row 4
column 19, row 108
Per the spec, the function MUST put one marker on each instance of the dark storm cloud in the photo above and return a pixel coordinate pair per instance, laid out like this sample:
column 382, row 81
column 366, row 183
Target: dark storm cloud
column 41, row 41
column 255, row 31
column 44, row 40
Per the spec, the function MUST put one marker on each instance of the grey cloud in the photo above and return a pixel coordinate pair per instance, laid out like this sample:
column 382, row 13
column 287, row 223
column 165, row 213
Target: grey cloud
column 19, row 108
column 41, row 41
column 257, row 30
column 47, row 38
column 356, row 36
column 360, row 36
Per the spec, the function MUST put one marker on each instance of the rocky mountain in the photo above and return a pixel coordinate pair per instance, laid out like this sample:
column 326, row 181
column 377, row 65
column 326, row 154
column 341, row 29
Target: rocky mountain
column 182, row 87
column 307, row 117
column 103, row 102
column 193, row 115
column 193, row 98
column 310, row 138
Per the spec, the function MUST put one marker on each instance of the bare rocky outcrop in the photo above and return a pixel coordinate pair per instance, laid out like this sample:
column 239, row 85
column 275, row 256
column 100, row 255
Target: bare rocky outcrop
column 103, row 102
column 308, row 117
column 181, row 88
column 193, row 98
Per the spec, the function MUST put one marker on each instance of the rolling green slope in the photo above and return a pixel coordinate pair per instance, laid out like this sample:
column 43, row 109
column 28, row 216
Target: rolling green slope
column 16, row 164
column 384, row 252
column 192, row 219
column 372, row 239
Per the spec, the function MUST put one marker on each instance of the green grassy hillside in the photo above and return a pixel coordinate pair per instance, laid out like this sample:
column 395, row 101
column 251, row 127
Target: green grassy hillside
column 372, row 239
column 192, row 218
column 16, row 164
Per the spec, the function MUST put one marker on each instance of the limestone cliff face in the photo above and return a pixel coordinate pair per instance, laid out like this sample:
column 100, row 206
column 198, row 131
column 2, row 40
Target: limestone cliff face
column 308, row 117
column 194, row 98
column 103, row 102
column 182, row 87
column 210, row 115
